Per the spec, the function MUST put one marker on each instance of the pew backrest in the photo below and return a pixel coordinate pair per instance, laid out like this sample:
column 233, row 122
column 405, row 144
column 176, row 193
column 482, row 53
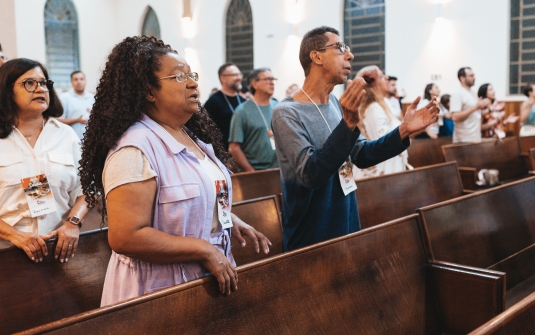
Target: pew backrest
column 424, row 152
column 503, row 156
column 385, row 198
column 34, row 294
column 483, row 228
column 257, row 184
column 340, row 286
column 526, row 143
column 264, row 215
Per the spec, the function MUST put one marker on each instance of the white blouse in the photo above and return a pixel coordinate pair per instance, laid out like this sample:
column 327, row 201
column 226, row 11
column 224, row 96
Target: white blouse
column 57, row 154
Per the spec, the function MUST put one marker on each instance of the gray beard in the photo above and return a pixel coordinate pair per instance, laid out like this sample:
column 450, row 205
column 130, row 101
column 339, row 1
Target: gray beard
column 236, row 87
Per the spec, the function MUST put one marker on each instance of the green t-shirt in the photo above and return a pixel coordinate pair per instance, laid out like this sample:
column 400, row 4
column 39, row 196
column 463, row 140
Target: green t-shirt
column 249, row 129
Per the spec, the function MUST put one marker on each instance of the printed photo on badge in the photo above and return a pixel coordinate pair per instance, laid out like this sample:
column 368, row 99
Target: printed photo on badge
column 223, row 203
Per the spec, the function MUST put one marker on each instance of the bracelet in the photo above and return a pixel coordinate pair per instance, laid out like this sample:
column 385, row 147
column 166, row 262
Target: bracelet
column 75, row 221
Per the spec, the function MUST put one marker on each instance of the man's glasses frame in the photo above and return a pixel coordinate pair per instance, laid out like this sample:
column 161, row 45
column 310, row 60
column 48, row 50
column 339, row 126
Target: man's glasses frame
column 182, row 77
column 31, row 84
column 343, row 48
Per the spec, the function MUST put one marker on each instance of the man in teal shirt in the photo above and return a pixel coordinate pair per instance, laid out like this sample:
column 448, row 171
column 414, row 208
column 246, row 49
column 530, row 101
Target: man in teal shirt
column 251, row 142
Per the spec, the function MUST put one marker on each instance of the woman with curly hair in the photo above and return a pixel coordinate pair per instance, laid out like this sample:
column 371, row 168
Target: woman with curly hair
column 157, row 157
column 42, row 152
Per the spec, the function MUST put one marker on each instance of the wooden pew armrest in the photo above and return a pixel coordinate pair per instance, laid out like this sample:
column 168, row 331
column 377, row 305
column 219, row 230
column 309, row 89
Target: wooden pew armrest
column 466, row 297
column 468, row 177
column 465, row 191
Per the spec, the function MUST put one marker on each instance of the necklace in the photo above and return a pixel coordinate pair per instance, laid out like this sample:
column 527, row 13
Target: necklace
column 29, row 137
column 319, row 110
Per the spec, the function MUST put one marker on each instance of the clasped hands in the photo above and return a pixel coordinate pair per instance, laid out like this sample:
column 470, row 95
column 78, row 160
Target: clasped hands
column 414, row 122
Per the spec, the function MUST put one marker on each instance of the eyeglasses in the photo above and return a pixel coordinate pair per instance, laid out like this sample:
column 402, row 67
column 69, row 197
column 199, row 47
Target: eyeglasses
column 232, row 75
column 30, row 84
column 339, row 45
column 182, row 77
column 4, row 58
column 269, row 79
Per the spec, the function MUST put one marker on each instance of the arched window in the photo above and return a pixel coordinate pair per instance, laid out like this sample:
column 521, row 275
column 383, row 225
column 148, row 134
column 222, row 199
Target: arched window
column 521, row 45
column 151, row 26
column 61, row 34
column 240, row 35
column 364, row 32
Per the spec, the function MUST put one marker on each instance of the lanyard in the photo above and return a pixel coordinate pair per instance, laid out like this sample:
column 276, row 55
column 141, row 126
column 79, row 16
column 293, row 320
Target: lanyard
column 320, row 110
column 261, row 114
column 228, row 102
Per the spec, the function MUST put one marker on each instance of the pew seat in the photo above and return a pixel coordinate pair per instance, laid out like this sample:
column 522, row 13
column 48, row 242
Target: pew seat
column 342, row 286
column 526, row 143
column 256, row 184
column 385, row 198
column 424, row 152
column 492, row 229
column 34, row 294
column 502, row 155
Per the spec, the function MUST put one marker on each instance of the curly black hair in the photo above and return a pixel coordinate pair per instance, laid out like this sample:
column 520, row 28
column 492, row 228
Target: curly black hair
column 121, row 101
column 9, row 73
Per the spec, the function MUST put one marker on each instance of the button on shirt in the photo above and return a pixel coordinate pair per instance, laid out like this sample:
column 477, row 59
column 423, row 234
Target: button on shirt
column 75, row 106
column 56, row 153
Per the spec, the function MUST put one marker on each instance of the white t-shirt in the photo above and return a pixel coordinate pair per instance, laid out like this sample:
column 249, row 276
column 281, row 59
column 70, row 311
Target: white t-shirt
column 468, row 130
column 395, row 108
column 56, row 153
column 75, row 106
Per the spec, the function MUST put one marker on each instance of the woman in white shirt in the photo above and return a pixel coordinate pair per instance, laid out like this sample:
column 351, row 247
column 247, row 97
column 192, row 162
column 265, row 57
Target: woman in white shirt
column 376, row 120
column 40, row 191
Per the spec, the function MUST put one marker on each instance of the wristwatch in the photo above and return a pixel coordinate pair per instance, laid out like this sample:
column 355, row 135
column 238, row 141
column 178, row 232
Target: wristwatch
column 75, row 221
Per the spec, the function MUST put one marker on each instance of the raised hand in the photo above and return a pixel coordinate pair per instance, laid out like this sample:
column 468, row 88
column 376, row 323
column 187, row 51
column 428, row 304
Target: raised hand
column 417, row 120
column 350, row 101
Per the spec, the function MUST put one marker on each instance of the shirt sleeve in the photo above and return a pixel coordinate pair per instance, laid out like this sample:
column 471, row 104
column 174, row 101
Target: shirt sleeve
column 117, row 172
column 456, row 103
column 237, row 127
column 376, row 122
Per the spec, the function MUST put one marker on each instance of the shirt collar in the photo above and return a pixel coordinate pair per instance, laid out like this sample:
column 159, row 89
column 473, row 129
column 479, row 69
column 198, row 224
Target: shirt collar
column 173, row 145
column 53, row 121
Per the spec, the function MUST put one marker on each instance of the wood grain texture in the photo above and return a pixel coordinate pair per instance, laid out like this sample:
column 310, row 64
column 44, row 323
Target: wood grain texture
column 517, row 320
column 264, row 215
column 257, row 184
column 370, row 282
column 526, row 143
column 425, row 152
column 385, row 198
column 34, row 294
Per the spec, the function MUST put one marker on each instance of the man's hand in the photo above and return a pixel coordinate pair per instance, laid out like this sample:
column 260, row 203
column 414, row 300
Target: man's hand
column 350, row 101
column 417, row 120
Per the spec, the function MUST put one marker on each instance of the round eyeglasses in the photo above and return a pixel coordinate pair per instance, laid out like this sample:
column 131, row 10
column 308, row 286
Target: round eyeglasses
column 31, row 84
column 182, row 77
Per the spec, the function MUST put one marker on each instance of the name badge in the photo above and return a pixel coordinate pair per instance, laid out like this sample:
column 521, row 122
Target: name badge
column 39, row 195
column 271, row 139
column 345, row 173
column 223, row 204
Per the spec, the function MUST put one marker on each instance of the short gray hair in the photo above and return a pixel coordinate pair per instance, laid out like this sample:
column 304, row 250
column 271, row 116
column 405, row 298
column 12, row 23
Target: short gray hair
column 254, row 75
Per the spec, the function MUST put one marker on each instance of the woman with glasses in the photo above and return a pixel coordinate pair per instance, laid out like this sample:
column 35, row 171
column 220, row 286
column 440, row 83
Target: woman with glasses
column 157, row 157
column 376, row 120
column 40, row 190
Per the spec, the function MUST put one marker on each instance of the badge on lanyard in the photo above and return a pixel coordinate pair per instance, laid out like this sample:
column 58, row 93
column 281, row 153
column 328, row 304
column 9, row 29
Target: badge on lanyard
column 223, row 205
column 39, row 195
column 345, row 172
column 271, row 139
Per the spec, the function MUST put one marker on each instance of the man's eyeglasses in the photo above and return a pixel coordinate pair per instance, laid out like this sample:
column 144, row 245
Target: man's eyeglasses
column 182, row 77
column 269, row 79
column 339, row 45
column 30, row 84
column 4, row 58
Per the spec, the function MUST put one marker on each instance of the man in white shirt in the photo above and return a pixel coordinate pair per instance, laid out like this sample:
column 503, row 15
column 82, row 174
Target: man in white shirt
column 466, row 109
column 77, row 104
column 391, row 98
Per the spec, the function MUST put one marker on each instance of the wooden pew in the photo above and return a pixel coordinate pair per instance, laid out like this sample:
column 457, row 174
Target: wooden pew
column 531, row 156
column 492, row 229
column 517, row 320
column 424, row 152
column 526, row 143
column 503, row 156
column 346, row 285
column 385, row 198
column 264, row 215
column 250, row 185
column 34, row 294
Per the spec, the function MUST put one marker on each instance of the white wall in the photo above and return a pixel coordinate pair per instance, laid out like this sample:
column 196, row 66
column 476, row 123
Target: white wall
column 8, row 35
column 473, row 33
